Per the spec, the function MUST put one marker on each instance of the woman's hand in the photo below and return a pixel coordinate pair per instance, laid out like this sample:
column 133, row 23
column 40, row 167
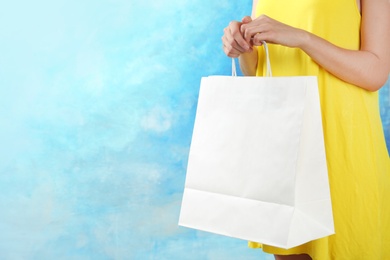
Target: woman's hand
column 267, row 29
column 233, row 41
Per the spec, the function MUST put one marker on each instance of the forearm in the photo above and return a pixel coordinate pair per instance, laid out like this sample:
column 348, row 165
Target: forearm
column 361, row 68
column 367, row 67
column 248, row 62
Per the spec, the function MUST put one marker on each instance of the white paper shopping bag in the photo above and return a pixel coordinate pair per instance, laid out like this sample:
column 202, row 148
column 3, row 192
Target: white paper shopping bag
column 257, row 169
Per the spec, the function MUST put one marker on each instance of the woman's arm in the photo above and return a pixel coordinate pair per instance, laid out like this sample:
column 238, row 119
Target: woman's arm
column 367, row 68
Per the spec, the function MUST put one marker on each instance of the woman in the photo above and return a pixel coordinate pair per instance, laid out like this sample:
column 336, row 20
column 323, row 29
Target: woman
column 346, row 44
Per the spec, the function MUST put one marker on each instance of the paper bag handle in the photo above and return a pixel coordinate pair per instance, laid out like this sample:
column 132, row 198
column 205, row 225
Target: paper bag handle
column 268, row 65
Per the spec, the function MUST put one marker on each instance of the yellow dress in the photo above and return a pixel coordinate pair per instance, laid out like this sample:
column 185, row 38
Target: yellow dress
column 357, row 157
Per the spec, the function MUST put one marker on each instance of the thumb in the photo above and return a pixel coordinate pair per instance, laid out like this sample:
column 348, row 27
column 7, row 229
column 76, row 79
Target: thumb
column 246, row 19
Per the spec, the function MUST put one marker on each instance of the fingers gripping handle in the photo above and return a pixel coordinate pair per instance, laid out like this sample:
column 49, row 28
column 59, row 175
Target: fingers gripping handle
column 268, row 63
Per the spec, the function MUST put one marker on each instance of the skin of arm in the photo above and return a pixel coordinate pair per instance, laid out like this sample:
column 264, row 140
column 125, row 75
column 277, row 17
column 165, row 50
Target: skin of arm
column 367, row 68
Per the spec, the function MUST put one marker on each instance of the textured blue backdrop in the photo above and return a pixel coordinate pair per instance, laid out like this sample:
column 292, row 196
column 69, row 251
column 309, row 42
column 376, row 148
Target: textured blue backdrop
column 97, row 103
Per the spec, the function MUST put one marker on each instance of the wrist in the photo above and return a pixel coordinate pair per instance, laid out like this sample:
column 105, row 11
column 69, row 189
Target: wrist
column 304, row 38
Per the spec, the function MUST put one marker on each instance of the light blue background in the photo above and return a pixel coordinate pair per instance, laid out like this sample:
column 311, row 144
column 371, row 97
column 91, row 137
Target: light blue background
column 97, row 104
